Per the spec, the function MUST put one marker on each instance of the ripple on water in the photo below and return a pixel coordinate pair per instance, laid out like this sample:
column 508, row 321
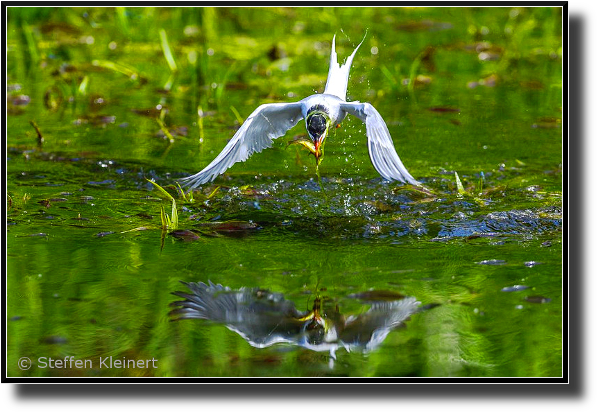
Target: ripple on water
column 386, row 210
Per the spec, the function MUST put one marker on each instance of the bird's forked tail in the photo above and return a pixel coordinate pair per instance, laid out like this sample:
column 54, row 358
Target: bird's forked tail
column 339, row 75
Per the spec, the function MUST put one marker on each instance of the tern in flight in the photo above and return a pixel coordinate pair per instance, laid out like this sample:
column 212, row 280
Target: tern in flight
column 322, row 112
column 264, row 318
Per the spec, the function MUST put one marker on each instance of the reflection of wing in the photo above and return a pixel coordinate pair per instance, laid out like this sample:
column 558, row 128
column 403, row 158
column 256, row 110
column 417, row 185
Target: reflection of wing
column 380, row 146
column 267, row 122
column 261, row 317
column 264, row 318
column 369, row 329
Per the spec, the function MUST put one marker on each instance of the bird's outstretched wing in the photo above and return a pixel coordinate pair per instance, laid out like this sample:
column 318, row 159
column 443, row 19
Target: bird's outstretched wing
column 380, row 146
column 261, row 317
column 267, row 122
column 369, row 330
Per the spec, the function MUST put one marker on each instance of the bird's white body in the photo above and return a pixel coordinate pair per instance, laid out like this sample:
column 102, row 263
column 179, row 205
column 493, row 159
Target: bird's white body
column 271, row 121
column 331, row 102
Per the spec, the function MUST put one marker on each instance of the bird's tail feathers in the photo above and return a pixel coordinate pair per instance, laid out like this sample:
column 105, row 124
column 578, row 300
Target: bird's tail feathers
column 339, row 74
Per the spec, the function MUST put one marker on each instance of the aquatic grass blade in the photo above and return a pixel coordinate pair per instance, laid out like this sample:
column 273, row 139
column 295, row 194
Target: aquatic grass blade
column 183, row 195
column 166, row 49
column 165, row 130
column 237, row 115
column 83, row 86
column 222, row 85
column 123, row 20
column 213, row 193
column 164, row 218
column 174, row 216
column 171, row 222
column 31, row 44
column 117, row 67
column 201, row 123
column 461, row 191
column 320, row 181
column 162, row 190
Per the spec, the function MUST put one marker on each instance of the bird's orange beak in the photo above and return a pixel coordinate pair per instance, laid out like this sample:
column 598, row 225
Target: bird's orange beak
column 319, row 146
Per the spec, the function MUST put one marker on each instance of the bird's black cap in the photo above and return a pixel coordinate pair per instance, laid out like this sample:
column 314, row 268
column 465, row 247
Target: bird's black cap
column 317, row 125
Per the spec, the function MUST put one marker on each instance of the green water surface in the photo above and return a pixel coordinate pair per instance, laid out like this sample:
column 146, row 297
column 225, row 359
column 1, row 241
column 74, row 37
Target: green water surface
column 90, row 271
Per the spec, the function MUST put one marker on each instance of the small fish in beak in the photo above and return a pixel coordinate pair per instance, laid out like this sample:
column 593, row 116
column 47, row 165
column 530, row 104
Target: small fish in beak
column 316, row 146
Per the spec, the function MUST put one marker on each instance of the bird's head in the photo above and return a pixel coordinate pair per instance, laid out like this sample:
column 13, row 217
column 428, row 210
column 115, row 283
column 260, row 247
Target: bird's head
column 317, row 326
column 318, row 124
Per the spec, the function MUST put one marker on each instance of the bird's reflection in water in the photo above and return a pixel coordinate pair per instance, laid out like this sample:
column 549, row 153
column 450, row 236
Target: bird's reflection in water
column 265, row 318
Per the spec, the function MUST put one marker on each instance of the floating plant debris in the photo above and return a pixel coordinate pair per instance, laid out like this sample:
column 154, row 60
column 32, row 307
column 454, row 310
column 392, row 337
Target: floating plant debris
column 492, row 262
column 54, row 340
column 95, row 119
column 423, row 25
column 377, row 295
column 515, row 288
column 104, row 233
column 229, row 226
column 185, row 235
column 443, row 109
column 537, row 299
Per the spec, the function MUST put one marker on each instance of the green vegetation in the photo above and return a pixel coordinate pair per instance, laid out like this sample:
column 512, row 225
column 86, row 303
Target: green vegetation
column 109, row 107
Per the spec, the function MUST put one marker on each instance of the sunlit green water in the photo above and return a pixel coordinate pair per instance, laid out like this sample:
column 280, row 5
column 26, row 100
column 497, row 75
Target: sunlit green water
column 90, row 273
